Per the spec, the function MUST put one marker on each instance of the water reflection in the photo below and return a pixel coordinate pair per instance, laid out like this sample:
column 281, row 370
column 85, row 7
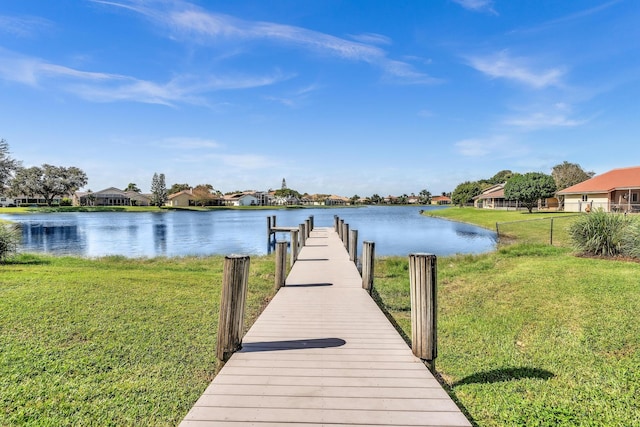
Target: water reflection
column 396, row 231
column 160, row 238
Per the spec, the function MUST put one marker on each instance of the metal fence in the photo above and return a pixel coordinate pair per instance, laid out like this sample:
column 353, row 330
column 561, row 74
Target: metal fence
column 553, row 230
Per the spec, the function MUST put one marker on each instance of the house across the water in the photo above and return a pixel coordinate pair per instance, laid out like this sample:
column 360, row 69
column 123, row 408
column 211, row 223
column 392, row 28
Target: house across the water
column 615, row 191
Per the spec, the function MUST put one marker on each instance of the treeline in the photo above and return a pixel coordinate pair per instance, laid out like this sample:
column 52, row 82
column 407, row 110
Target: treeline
column 527, row 188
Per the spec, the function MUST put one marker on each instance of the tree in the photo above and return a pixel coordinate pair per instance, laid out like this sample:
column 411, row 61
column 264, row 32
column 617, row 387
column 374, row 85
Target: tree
column 287, row 193
column 158, row 190
column 203, row 194
column 176, row 188
column 354, row 199
column 465, row 192
column 133, row 187
column 48, row 181
column 375, row 199
column 501, row 177
column 91, row 198
column 567, row 174
column 425, row 196
column 7, row 165
column 529, row 188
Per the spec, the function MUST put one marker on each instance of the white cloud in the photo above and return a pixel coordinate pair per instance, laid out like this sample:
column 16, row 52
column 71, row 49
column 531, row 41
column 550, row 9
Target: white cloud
column 233, row 161
column 104, row 87
column 502, row 65
column 24, row 27
column 543, row 120
column 372, row 38
column 558, row 115
column 187, row 143
column 498, row 146
column 191, row 23
column 477, row 5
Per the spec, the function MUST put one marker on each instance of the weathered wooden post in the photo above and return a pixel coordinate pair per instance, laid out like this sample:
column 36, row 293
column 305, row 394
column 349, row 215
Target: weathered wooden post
column 232, row 303
column 294, row 246
column 345, row 235
column 281, row 263
column 302, row 228
column 307, row 224
column 340, row 228
column 269, row 229
column 353, row 246
column 336, row 223
column 273, row 220
column 368, row 256
column 424, row 305
column 311, row 222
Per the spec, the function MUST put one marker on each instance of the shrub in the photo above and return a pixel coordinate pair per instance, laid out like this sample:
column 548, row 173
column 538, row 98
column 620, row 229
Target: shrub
column 66, row 202
column 600, row 233
column 9, row 239
column 631, row 239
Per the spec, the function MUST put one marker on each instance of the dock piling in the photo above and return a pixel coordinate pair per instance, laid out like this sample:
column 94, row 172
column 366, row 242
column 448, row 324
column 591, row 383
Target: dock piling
column 353, row 246
column 294, row 246
column 368, row 257
column 281, row 263
column 232, row 303
column 423, row 282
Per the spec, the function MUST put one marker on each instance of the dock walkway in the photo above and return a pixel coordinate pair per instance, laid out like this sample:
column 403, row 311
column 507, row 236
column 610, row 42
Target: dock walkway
column 323, row 354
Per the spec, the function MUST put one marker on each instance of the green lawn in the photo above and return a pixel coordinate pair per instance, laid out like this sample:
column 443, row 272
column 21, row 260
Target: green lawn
column 529, row 335
column 515, row 226
column 532, row 335
column 111, row 341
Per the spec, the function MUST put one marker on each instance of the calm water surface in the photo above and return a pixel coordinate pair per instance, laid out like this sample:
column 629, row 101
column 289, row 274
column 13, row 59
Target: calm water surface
column 395, row 230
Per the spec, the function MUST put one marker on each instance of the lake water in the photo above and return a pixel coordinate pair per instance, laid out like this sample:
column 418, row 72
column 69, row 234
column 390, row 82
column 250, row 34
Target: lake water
column 396, row 230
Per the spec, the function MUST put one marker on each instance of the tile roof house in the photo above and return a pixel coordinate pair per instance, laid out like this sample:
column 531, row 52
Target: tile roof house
column 181, row 198
column 615, row 191
column 111, row 197
column 441, row 200
column 492, row 198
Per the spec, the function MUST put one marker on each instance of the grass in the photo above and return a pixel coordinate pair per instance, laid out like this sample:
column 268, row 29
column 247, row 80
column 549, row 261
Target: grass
column 531, row 334
column 111, row 341
column 521, row 226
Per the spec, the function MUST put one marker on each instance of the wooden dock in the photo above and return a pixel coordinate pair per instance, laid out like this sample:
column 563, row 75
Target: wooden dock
column 323, row 354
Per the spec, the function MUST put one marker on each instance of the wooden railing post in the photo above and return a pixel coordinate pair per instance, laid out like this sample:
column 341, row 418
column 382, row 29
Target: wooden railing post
column 311, row 222
column 424, row 305
column 307, row 223
column 302, row 228
column 269, row 229
column 336, row 223
column 368, row 256
column 341, row 228
column 281, row 263
column 273, row 220
column 345, row 235
column 232, row 303
column 353, row 246
column 294, row 246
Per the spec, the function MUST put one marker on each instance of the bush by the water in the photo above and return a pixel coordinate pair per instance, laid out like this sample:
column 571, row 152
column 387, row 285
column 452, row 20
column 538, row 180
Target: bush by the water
column 606, row 234
column 9, row 239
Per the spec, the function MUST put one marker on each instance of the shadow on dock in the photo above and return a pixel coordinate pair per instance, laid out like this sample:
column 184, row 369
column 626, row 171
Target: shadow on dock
column 292, row 345
column 307, row 285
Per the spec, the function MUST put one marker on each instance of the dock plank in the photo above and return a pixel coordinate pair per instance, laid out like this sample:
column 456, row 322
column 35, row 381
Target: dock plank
column 323, row 353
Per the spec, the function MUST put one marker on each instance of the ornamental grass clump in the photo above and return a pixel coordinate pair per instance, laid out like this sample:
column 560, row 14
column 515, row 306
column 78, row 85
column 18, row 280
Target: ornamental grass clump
column 9, row 239
column 602, row 234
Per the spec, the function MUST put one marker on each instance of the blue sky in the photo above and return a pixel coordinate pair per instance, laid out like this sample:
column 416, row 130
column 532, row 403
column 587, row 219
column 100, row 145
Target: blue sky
column 337, row 96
